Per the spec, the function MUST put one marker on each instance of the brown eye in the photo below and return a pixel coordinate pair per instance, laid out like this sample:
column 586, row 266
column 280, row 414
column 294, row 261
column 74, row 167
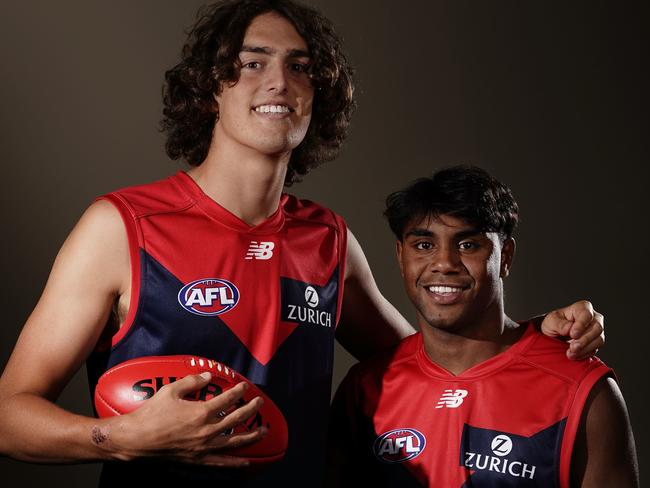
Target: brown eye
column 424, row 245
column 298, row 67
column 468, row 245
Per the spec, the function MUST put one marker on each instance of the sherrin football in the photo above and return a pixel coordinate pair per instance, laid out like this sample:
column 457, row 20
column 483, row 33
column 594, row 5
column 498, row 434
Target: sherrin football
column 125, row 387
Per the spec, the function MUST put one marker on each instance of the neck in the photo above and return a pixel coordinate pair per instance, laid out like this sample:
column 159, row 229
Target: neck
column 244, row 181
column 458, row 349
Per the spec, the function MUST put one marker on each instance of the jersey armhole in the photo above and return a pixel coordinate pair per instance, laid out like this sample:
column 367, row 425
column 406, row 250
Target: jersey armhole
column 134, row 238
column 573, row 419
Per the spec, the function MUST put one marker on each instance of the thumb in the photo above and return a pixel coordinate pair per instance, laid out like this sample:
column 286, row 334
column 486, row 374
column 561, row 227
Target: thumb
column 564, row 327
column 557, row 324
column 190, row 384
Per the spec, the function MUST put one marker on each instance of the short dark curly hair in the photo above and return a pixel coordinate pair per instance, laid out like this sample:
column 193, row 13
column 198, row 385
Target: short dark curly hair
column 466, row 192
column 211, row 57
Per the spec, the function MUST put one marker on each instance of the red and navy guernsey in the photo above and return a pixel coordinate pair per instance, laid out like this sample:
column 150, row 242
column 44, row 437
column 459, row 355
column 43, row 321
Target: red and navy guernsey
column 264, row 300
column 511, row 421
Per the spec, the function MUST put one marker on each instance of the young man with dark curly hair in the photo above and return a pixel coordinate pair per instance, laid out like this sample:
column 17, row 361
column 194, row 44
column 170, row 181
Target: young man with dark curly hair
column 475, row 399
column 262, row 95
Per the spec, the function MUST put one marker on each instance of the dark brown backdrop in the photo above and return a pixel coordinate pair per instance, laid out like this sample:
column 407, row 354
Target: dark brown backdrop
column 550, row 97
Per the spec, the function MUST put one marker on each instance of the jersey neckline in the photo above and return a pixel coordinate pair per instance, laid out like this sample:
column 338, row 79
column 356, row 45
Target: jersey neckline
column 270, row 225
column 484, row 368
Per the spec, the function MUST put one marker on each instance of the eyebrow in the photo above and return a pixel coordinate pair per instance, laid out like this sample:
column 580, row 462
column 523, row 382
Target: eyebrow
column 419, row 232
column 291, row 53
column 422, row 232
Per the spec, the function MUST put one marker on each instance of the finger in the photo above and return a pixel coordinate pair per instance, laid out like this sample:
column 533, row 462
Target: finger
column 238, row 416
column 582, row 350
column 189, row 384
column 582, row 313
column 239, row 440
column 582, row 353
column 594, row 332
column 228, row 398
column 222, row 461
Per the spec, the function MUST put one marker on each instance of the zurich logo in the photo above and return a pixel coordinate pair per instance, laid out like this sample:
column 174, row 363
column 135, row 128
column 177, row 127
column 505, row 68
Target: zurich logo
column 501, row 445
column 399, row 445
column 311, row 296
column 208, row 296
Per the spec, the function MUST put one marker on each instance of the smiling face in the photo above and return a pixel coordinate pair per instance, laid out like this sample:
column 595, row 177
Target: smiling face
column 452, row 272
column 269, row 108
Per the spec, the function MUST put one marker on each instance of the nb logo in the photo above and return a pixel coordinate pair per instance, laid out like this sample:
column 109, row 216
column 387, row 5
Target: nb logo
column 452, row 398
column 501, row 445
column 260, row 250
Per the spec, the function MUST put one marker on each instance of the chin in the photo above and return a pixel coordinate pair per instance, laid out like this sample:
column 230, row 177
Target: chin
column 447, row 323
column 269, row 148
column 445, row 326
column 275, row 143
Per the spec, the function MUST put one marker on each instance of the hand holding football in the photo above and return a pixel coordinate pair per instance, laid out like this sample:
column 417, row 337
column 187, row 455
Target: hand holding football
column 231, row 417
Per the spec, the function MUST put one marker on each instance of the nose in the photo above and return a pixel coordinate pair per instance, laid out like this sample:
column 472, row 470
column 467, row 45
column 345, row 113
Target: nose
column 276, row 79
column 446, row 260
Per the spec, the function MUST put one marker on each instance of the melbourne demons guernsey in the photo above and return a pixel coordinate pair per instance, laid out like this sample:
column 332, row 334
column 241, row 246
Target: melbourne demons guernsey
column 402, row 420
column 262, row 299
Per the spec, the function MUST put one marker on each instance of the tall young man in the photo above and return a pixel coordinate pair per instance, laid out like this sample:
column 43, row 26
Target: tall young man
column 475, row 399
column 262, row 94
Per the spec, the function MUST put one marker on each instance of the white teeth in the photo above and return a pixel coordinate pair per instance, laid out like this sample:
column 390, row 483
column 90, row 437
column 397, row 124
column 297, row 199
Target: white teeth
column 444, row 289
column 272, row 109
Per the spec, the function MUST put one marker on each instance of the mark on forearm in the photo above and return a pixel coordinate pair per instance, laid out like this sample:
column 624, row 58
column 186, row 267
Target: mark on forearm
column 98, row 435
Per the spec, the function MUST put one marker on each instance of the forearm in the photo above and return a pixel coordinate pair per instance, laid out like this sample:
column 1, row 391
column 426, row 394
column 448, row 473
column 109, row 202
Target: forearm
column 36, row 430
column 363, row 332
column 369, row 323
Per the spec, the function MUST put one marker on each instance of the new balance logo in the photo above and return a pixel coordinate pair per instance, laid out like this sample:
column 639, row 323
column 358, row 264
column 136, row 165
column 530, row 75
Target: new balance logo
column 260, row 250
column 451, row 398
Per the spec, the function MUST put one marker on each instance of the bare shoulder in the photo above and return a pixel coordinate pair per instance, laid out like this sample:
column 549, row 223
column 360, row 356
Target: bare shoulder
column 96, row 253
column 90, row 272
column 356, row 266
column 101, row 220
column 604, row 452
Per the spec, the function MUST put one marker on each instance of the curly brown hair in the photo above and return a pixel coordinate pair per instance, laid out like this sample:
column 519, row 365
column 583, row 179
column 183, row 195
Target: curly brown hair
column 211, row 57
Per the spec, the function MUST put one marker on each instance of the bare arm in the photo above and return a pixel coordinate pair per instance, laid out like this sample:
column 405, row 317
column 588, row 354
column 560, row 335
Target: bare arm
column 604, row 453
column 369, row 323
column 90, row 273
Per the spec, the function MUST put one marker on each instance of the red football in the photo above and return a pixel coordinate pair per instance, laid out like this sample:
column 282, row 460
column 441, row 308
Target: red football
column 126, row 386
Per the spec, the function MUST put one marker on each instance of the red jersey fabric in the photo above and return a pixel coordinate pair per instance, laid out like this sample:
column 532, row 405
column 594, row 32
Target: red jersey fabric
column 402, row 420
column 264, row 300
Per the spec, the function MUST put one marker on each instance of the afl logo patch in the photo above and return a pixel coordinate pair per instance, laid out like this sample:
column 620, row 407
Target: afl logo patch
column 399, row 445
column 208, row 296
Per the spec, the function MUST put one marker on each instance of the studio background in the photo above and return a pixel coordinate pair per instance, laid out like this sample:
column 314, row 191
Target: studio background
column 550, row 97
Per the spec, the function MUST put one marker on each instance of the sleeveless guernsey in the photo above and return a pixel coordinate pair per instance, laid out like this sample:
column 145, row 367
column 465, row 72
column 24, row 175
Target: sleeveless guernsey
column 402, row 420
column 264, row 300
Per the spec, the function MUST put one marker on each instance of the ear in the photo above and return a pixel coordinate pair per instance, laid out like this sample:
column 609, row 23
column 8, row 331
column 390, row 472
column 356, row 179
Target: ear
column 507, row 256
column 215, row 104
column 398, row 251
